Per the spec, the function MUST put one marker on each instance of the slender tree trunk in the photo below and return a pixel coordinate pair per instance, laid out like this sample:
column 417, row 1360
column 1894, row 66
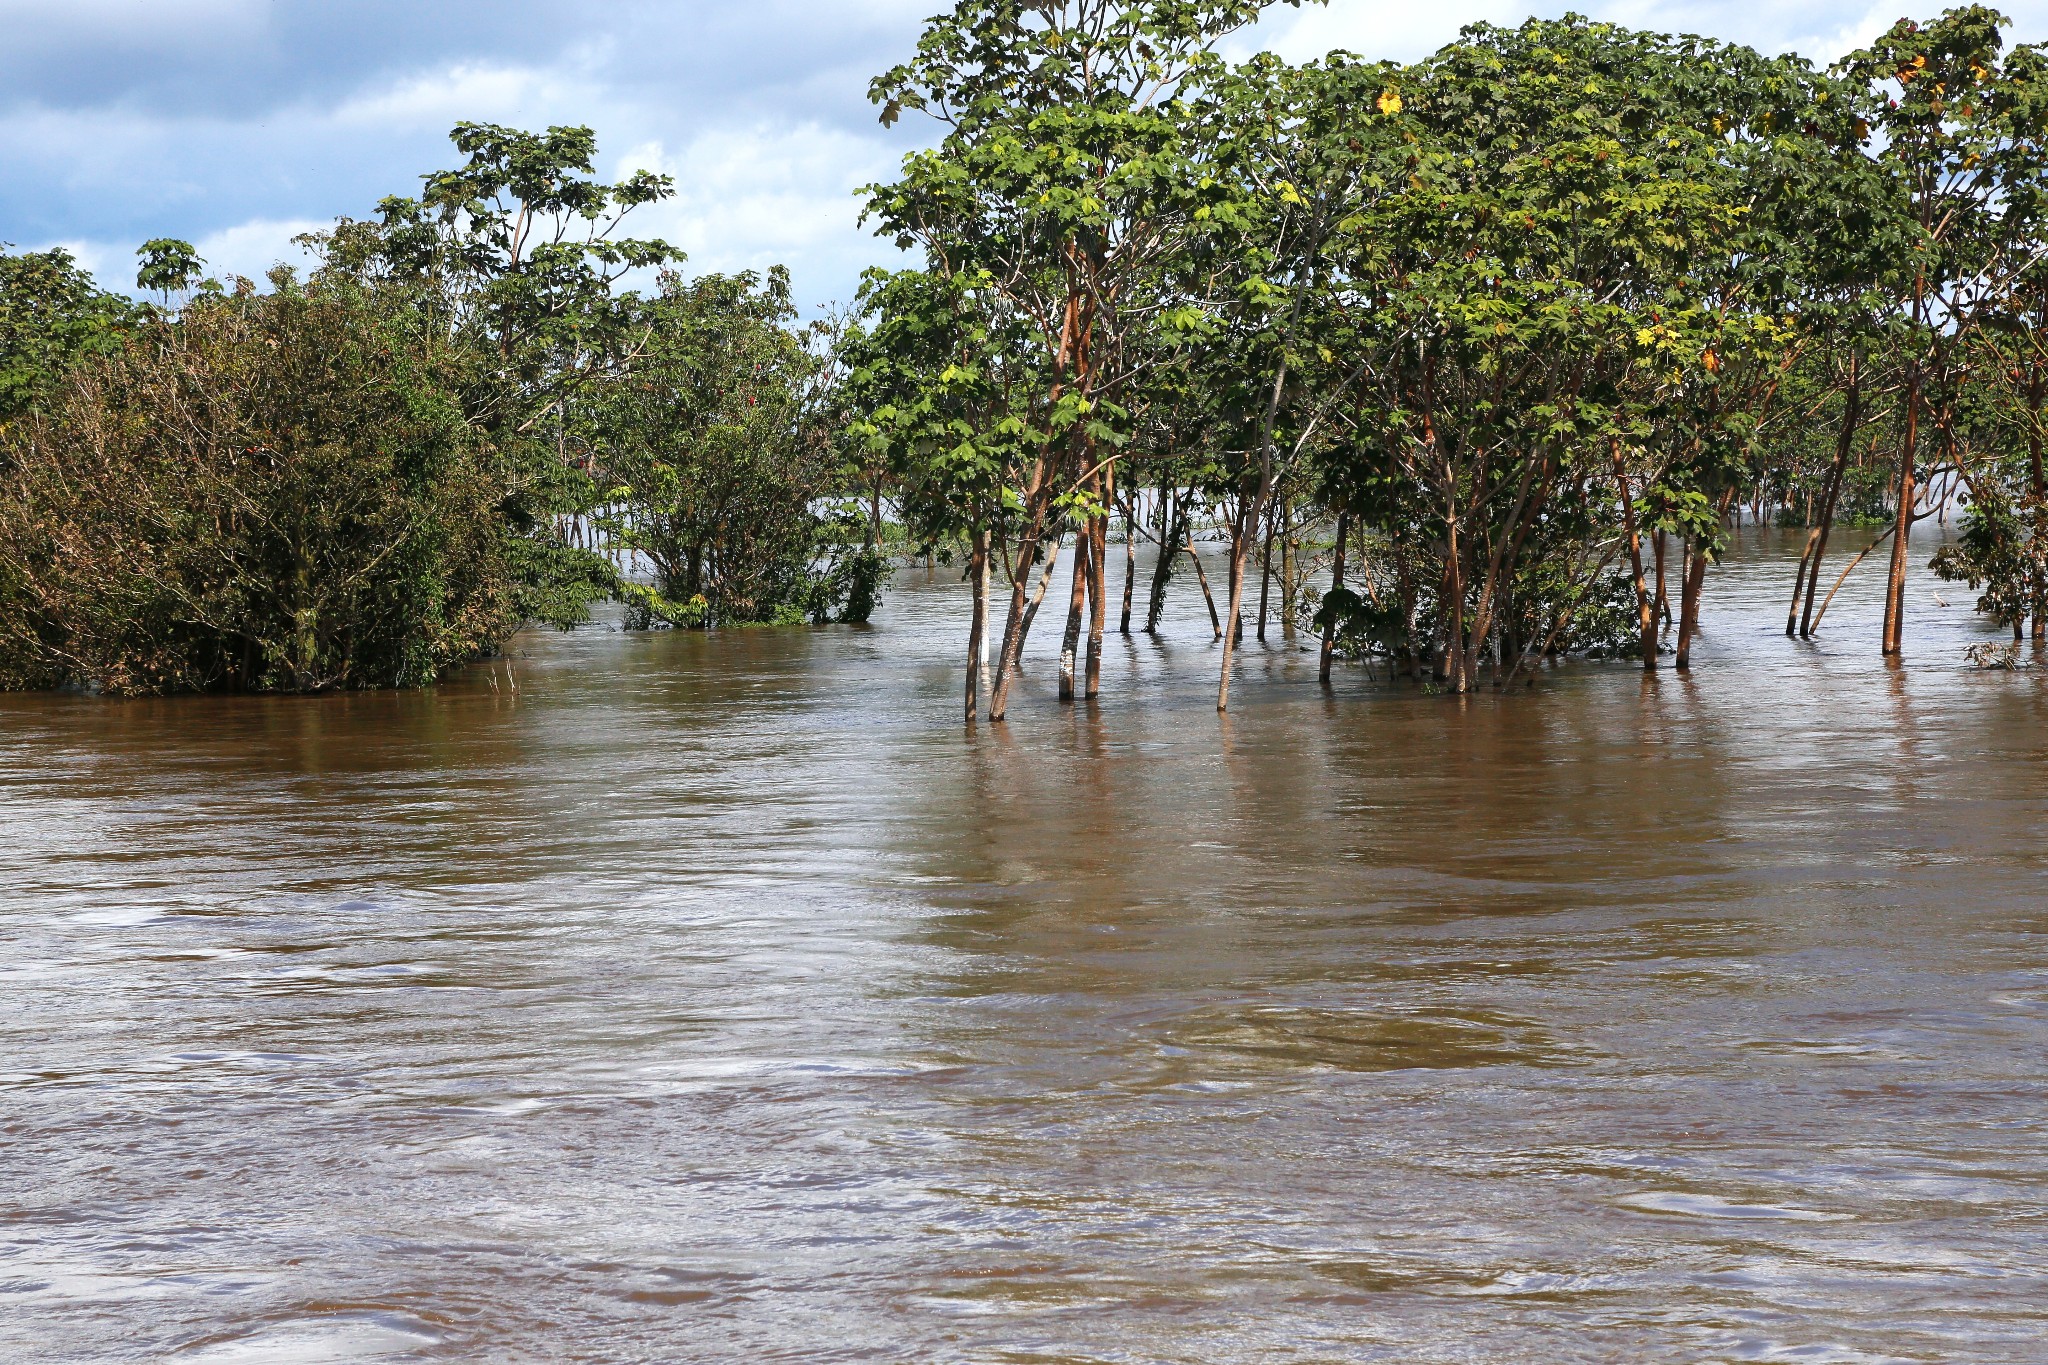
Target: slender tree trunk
column 1077, row 600
column 1018, row 622
column 1098, row 602
column 1130, row 559
column 1685, row 556
column 977, row 631
column 981, row 591
column 1290, row 589
column 1851, row 568
column 1052, row 560
column 1172, row 531
column 1454, row 607
column 1689, row 603
column 1336, row 585
column 1410, row 592
column 1902, row 530
column 1645, row 614
column 1201, row 575
column 1266, row 575
column 1831, row 496
column 2039, row 548
column 1440, row 639
column 1663, row 609
column 1802, row 582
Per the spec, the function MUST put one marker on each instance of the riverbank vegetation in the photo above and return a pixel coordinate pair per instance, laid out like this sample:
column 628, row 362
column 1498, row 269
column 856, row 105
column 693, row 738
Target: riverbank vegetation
column 1460, row 365
column 1514, row 331
column 459, row 422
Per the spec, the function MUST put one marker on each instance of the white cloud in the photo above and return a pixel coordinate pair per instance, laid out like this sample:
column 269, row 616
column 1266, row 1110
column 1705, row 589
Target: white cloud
column 748, row 198
column 1405, row 31
column 251, row 249
column 113, row 266
column 435, row 101
column 1376, row 29
column 1826, row 45
column 247, row 249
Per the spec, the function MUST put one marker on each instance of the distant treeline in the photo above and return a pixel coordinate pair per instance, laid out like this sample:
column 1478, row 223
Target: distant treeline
column 1467, row 364
column 1503, row 339
column 459, row 422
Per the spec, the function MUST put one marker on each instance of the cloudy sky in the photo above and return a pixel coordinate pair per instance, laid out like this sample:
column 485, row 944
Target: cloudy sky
column 239, row 123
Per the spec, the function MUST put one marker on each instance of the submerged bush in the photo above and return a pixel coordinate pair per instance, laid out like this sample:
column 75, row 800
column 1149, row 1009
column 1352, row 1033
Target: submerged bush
column 717, row 449
column 273, row 492
column 1996, row 553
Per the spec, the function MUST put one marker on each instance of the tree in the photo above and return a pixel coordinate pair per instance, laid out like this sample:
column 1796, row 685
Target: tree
column 271, row 492
column 1531, row 318
column 1065, row 178
column 715, row 448
column 51, row 314
column 169, row 266
column 1305, row 158
column 518, row 254
column 1938, row 86
column 936, row 371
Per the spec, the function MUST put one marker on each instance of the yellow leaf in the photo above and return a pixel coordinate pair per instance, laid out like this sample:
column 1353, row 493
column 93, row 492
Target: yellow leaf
column 1390, row 102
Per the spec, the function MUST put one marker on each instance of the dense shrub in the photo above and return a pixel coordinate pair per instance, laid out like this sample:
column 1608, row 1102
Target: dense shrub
column 270, row 492
column 717, row 450
column 51, row 312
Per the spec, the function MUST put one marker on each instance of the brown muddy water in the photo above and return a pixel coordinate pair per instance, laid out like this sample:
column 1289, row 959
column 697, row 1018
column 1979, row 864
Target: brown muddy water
column 685, row 998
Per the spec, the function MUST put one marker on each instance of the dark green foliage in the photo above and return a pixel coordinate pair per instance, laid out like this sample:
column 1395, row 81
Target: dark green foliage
column 515, row 256
column 367, row 478
column 51, row 313
column 718, row 452
column 862, row 574
column 275, row 492
column 1995, row 553
column 168, row 266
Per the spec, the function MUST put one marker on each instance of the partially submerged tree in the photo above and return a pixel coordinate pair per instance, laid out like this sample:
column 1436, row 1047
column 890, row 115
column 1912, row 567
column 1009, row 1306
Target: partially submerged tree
column 274, row 492
column 715, row 450
column 364, row 478
column 1069, row 175
column 518, row 255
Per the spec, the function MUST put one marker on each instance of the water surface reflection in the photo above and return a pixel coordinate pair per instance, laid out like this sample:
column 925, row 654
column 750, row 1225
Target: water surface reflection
column 687, row 998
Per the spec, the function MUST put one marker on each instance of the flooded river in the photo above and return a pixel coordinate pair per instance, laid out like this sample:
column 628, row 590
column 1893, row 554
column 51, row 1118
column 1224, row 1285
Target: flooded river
column 686, row 998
